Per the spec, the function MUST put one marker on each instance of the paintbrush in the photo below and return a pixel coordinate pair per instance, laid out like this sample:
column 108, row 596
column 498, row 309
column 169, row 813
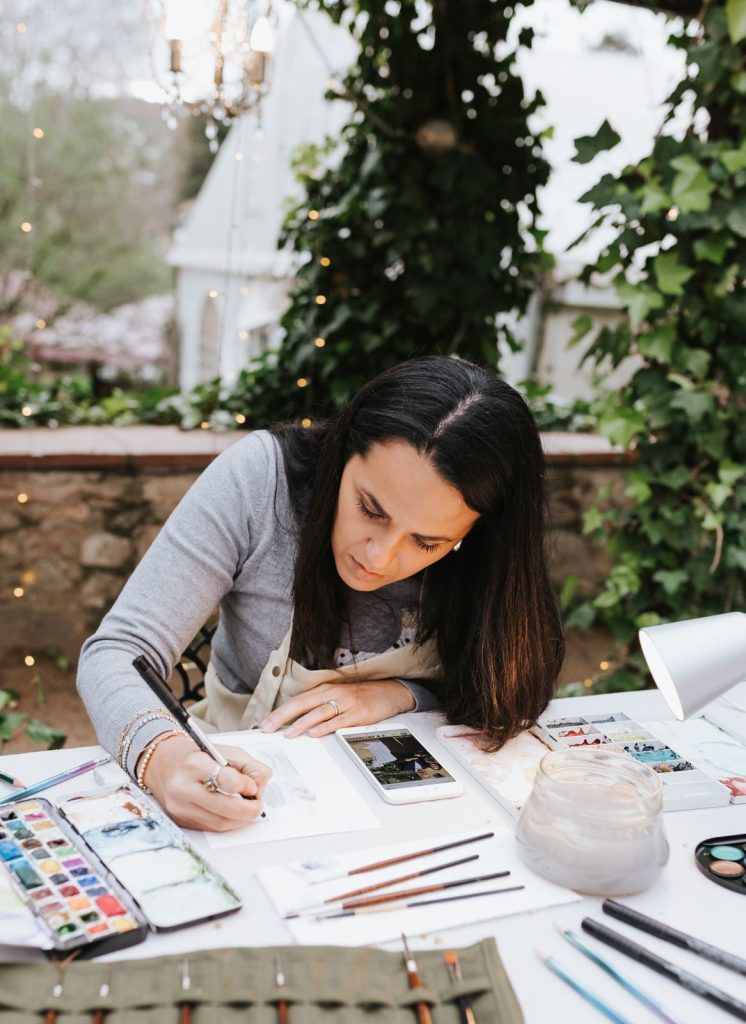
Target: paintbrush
column 590, row 997
column 376, row 865
column 574, row 939
column 404, row 894
column 379, row 908
column 306, row 911
column 413, row 976
column 283, row 1010
column 185, row 1007
column 466, row 1014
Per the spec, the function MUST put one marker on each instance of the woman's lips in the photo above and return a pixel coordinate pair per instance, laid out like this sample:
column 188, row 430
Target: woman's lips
column 362, row 572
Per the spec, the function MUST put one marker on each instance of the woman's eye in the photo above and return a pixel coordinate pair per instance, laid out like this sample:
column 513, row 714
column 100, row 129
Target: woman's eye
column 367, row 511
column 430, row 548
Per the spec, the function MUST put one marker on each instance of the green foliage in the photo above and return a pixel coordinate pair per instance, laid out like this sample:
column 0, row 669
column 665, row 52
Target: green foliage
column 678, row 262
column 416, row 229
column 12, row 721
column 588, row 146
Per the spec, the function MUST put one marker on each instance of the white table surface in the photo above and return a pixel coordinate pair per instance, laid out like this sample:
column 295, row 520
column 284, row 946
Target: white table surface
column 682, row 896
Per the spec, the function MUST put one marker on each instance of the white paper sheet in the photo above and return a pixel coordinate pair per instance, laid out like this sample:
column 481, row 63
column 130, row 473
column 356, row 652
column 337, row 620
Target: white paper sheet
column 308, row 795
column 291, row 888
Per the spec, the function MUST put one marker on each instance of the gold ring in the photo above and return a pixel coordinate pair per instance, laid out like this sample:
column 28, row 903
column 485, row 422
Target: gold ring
column 336, row 707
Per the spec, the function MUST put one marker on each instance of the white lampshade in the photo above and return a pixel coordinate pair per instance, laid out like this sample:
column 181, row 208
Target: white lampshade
column 695, row 661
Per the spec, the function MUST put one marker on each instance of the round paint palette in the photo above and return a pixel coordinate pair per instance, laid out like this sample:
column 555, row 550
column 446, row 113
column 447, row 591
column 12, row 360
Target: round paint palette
column 723, row 860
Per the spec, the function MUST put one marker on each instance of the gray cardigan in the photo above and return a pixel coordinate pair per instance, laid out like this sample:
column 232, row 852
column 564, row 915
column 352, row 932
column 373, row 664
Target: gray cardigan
column 230, row 542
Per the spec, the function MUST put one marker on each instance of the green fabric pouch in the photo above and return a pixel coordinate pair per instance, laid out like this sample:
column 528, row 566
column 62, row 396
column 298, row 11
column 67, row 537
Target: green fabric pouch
column 326, row 984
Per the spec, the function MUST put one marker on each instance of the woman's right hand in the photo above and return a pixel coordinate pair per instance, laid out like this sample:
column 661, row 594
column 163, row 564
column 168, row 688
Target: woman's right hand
column 176, row 775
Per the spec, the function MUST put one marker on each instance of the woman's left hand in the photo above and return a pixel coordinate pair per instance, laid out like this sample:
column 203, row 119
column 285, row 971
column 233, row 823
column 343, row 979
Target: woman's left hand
column 332, row 706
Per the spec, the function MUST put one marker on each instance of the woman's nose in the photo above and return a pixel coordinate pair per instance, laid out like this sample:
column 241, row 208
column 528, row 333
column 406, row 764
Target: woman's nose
column 380, row 551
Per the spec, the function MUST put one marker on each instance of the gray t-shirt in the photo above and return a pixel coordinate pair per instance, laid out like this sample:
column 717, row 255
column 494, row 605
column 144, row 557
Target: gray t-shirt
column 230, row 542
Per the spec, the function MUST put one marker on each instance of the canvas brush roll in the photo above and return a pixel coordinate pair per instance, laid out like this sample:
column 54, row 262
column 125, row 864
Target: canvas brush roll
column 324, row 985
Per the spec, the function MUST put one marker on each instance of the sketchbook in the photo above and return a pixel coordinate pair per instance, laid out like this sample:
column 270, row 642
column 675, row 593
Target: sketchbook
column 308, row 794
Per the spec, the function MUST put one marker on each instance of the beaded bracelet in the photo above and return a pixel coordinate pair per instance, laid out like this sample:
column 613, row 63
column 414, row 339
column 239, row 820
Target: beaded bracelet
column 129, row 725
column 148, row 753
column 159, row 716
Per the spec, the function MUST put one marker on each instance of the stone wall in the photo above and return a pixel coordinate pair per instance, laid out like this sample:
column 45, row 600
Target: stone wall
column 73, row 524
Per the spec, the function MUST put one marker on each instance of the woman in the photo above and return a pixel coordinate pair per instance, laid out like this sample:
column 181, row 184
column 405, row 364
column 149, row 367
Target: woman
column 382, row 562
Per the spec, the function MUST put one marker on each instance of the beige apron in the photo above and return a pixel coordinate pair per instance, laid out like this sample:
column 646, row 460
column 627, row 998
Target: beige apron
column 222, row 710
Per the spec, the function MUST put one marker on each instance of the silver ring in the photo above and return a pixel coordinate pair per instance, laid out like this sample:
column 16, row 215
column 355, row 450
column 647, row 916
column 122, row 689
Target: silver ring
column 224, row 792
column 211, row 783
column 336, row 707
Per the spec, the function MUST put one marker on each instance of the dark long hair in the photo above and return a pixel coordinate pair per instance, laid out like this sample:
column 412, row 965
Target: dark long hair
column 490, row 605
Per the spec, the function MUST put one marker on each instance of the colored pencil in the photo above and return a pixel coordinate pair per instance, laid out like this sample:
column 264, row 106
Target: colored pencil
column 668, row 934
column 55, row 780
column 378, row 908
column 590, row 997
column 11, row 781
column 452, row 962
column 306, row 911
column 689, row 981
column 413, row 977
column 404, row 857
column 574, row 939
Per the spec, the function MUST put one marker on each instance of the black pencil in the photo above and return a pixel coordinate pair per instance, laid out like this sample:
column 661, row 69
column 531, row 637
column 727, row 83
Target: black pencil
column 668, row 934
column 689, row 981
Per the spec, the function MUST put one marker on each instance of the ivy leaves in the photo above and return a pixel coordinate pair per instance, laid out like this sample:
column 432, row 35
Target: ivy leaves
column 678, row 545
column 589, row 146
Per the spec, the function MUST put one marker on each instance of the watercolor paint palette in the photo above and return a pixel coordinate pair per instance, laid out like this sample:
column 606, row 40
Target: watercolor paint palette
column 74, row 902
column 687, row 785
column 151, row 858
column 723, row 861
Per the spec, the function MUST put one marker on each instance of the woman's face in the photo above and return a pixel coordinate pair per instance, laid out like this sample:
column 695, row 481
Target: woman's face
column 395, row 515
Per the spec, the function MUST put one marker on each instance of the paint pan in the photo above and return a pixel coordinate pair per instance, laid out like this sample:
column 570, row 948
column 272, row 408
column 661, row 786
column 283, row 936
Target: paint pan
column 686, row 784
column 723, row 861
column 150, row 856
column 55, row 893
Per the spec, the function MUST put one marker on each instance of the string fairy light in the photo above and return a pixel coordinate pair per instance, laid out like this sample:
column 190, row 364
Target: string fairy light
column 319, row 342
column 320, row 300
column 325, row 261
column 22, row 498
column 18, row 591
column 38, row 133
column 29, row 660
column 26, row 227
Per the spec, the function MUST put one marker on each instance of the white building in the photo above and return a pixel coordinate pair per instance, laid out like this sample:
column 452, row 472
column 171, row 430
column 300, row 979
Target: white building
column 610, row 62
column 231, row 281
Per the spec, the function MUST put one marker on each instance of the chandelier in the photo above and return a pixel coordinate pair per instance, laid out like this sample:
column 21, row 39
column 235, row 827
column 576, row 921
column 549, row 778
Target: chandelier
column 219, row 57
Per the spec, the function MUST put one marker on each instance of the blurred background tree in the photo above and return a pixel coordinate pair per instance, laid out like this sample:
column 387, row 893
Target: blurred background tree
column 417, row 227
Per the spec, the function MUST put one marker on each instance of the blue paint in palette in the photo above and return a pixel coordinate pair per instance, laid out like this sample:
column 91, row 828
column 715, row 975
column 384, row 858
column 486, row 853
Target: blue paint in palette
column 9, row 850
column 88, row 881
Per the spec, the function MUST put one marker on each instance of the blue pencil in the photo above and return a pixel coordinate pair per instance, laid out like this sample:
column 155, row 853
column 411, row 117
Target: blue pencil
column 54, row 780
column 574, row 939
column 590, row 997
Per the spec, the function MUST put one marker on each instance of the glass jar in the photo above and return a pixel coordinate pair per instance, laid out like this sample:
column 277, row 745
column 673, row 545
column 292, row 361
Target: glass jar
column 594, row 823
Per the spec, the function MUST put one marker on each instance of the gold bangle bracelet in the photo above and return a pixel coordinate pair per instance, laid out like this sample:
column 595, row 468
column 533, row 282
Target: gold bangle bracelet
column 148, row 753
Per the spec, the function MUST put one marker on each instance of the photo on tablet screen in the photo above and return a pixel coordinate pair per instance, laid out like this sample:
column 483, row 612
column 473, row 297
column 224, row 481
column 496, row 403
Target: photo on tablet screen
column 397, row 759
